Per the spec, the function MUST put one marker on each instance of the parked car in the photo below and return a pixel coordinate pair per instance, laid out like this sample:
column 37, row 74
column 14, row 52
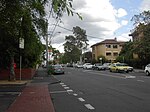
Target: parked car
column 79, row 66
column 147, row 69
column 129, row 68
column 87, row 66
column 105, row 66
column 58, row 69
column 96, row 66
column 120, row 67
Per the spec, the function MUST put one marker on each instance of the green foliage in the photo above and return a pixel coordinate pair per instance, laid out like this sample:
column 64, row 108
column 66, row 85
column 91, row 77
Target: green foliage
column 61, row 6
column 103, row 59
column 75, row 44
column 87, row 56
column 143, row 17
column 141, row 46
column 21, row 19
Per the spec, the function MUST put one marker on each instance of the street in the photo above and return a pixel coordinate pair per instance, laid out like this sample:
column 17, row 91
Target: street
column 83, row 90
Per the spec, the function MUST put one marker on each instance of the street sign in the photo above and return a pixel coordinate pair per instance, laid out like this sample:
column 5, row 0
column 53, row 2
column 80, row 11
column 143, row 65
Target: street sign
column 21, row 43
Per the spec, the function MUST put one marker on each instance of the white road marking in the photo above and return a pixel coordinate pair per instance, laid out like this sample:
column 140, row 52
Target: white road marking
column 62, row 83
column 54, row 92
column 130, row 77
column 66, row 87
column 81, row 99
column 89, row 106
column 140, row 80
column 69, row 90
column 75, row 94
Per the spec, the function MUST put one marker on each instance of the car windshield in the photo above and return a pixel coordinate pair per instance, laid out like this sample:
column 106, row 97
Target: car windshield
column 57, row 66
column 124, row 64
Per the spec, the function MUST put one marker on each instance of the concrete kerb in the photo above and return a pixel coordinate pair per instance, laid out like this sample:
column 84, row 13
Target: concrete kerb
column 15, row 83
column 139, row 70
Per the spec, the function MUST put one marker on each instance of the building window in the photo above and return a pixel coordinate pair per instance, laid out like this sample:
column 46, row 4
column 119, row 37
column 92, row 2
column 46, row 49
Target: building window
column 108, row 54
column 115, row 46
column 115, row 53
column 108, row 46
column 93, row 48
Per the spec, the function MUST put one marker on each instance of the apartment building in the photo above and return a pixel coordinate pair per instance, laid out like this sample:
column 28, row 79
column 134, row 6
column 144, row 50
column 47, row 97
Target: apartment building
column 110, row 48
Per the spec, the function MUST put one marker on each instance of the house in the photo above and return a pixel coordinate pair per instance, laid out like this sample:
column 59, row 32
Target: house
column 110, row 48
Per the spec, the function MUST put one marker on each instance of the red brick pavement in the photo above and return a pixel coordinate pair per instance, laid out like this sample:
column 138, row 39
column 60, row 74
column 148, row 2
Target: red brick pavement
column 33, row 99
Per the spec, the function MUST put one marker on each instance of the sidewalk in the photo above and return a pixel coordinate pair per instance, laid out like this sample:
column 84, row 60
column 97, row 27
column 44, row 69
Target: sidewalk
column 35, row 97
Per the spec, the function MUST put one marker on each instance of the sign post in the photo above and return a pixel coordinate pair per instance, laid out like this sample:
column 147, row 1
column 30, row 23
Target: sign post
column 21, row 46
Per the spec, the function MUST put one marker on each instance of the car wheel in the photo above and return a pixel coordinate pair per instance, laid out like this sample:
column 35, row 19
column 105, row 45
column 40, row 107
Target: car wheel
column 110, row 70
column 147, row 73
column 117, row 70
column 127, row 71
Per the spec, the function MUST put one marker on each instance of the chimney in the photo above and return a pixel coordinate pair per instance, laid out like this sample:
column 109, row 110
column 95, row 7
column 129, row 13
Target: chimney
column 115, row 39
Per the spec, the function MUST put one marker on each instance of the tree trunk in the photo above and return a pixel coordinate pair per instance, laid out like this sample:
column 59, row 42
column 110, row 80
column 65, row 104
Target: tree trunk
column 12, row 71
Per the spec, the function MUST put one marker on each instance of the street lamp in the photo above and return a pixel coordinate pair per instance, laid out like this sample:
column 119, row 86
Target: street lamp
column 100, row 60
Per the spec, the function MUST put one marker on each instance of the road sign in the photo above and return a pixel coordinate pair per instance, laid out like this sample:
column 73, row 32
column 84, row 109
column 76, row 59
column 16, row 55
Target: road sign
column 21, row 43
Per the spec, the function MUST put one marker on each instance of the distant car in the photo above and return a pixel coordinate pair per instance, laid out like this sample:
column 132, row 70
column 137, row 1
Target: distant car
column 58, row 69
column 147, row 69
column 129, row 68
column 120, row 67
column 96, row 66
column 87, row 66
column 79, row 66
column 105, row 66
column 69, row 65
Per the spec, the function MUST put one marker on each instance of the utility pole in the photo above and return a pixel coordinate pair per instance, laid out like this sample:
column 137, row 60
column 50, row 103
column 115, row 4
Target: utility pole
column 47, row 64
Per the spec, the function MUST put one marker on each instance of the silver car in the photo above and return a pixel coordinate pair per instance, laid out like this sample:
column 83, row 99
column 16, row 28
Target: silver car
column 58, row 69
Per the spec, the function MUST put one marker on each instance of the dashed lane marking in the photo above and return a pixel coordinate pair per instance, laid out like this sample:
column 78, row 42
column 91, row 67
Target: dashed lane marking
column 140, row 80
column 89, row 106
column 69, row 90
column 75, row 94
column 62, row 83
column 66, row 87
column 130, row 77
column 81, row 99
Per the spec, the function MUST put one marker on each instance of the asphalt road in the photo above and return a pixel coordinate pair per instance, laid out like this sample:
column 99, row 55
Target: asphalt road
column 101, row 91
column 8, row 94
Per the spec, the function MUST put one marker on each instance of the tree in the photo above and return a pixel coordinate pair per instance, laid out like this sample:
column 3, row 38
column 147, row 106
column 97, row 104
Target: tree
column 72, row 52
column 143, row 17
column 25, row 19
column 20, row 19
column 142, row 47
column 87, row 56
column 75, row 44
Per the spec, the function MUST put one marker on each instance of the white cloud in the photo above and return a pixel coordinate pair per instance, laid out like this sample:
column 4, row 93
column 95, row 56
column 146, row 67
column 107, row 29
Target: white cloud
column 121, row 12
column 145, row 5
column 124, row 37
column 99, row 20
column 124, row 22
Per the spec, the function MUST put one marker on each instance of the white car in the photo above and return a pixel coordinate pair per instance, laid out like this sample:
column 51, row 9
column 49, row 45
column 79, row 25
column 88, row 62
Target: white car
column 87, row 66
column 147, row 69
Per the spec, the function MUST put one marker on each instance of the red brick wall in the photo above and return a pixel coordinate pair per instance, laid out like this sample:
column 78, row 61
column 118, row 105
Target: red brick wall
column 26, row 74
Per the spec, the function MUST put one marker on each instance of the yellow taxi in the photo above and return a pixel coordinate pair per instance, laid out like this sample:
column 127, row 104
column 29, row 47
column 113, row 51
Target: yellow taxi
column 120, row 67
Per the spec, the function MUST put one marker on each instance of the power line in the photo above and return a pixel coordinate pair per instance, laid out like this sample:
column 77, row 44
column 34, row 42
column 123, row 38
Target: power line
column 72, row 31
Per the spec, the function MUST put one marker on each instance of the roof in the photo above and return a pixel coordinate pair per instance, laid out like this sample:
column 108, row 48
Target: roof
column 109, row 41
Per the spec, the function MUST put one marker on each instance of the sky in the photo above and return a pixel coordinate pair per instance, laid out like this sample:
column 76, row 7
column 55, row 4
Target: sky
column 102, row 19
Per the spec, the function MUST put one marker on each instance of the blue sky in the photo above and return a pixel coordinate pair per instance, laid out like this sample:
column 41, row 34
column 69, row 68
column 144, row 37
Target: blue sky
column 132, row 7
